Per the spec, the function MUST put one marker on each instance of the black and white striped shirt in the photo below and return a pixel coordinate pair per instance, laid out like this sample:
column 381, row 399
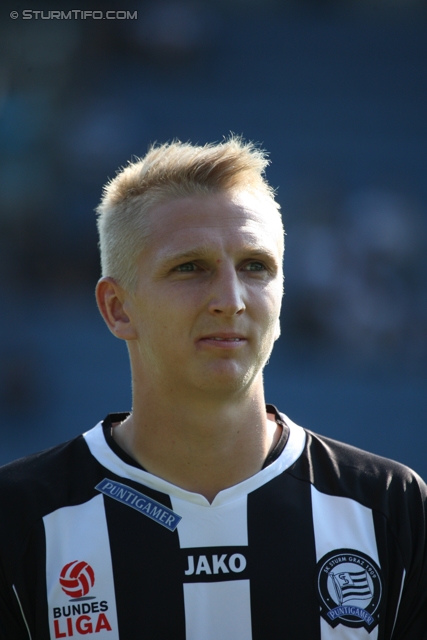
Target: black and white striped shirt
column 326, row 542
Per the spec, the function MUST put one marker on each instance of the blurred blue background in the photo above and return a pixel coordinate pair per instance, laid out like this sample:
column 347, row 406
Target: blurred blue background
column 334, row 90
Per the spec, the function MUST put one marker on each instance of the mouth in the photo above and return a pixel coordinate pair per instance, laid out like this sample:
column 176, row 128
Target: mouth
column 223, row 340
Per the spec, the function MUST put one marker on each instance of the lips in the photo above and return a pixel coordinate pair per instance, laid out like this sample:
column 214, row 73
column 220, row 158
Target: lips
column 223, row 340
column 228, row 337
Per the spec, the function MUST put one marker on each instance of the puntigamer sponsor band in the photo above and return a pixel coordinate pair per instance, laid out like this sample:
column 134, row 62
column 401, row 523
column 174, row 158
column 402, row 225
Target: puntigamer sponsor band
column 350, row 611
column 147, row 506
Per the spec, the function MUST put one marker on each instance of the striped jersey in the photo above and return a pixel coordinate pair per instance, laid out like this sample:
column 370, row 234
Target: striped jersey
column 326, row 542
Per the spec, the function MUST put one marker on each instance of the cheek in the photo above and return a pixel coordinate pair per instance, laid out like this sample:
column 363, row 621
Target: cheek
column 148, row 320
column 272, row 312
column 266, row 319
column 273, row 300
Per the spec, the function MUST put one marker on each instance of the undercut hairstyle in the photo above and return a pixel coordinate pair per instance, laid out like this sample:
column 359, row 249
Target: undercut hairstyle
column 168, row 172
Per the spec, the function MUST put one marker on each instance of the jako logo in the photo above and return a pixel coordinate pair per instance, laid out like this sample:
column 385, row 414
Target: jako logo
column 218, row 564
column 77, row 578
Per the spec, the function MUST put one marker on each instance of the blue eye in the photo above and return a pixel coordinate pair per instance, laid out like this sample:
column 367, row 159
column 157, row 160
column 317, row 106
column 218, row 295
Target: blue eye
column 187, row 267
column 255, row 266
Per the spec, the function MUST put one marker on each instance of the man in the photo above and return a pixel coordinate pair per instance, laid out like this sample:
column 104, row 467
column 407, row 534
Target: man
column 203, row 514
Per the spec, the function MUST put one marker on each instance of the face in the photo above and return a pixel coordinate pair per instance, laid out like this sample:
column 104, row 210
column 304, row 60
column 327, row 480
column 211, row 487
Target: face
column 206, row 307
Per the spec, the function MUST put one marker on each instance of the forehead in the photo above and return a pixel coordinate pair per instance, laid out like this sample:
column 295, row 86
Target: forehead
column 222, row 219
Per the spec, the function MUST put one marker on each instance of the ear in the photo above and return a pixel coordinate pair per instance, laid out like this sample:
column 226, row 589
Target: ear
column 112, row 302
column 277, row 331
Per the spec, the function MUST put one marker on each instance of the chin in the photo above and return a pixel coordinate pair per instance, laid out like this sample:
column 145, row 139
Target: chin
column 228, row 380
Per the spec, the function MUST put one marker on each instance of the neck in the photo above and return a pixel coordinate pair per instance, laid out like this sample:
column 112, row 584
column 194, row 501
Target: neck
column 199, row 445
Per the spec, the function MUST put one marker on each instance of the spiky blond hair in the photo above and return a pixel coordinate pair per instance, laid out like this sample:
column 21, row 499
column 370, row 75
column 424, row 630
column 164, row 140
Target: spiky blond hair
column 167, row 172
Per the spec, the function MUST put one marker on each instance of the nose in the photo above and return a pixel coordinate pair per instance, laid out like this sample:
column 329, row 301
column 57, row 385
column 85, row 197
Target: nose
column 226, row 294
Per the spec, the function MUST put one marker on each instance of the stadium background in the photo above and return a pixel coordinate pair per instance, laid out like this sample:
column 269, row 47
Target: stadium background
column 334, row 90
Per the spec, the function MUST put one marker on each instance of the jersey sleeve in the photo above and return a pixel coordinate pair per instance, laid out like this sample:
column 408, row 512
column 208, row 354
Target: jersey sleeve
column 12, row 623
column 396, row 497
column 411, row 619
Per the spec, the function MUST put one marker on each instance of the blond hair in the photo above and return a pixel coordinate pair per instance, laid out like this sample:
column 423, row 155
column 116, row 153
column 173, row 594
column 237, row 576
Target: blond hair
column 167, row 172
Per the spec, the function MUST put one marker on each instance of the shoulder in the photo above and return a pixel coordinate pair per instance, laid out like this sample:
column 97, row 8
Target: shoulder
column 37, row 484
column 379, row 503
column 42, row 463
column 378, row 483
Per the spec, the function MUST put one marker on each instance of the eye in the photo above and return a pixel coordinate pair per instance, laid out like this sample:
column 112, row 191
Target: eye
column 187, row 267
column 255, row 265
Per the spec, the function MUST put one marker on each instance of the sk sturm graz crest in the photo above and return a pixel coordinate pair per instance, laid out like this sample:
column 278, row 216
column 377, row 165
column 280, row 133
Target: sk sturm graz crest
column 349, row 588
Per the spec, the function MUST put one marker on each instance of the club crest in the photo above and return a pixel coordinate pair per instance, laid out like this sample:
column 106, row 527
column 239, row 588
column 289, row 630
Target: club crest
column 349, row 587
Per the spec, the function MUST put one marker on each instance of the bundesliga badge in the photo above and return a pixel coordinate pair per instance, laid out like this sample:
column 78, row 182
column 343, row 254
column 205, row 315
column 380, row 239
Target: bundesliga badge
column 349, row 589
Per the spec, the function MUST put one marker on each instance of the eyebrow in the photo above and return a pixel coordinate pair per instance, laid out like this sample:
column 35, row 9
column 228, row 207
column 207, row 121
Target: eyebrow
column 204, row 252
